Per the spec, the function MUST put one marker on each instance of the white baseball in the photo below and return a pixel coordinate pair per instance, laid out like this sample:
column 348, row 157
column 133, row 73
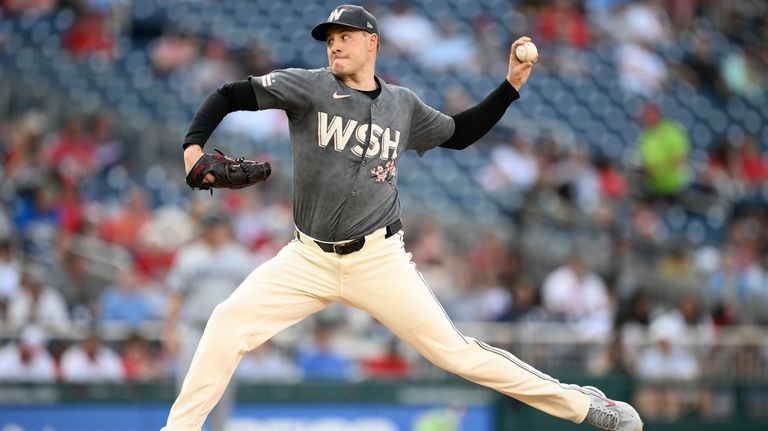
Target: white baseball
column 527, row 52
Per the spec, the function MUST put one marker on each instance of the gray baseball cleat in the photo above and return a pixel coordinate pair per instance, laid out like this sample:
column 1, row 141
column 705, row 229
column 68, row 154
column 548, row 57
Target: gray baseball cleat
column 610, row 415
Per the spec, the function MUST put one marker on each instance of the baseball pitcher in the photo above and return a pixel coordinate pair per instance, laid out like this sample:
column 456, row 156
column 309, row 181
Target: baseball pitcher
column 349, row 130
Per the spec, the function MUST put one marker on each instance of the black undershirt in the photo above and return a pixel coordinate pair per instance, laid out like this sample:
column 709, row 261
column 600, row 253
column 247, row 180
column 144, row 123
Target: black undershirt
column 470, row 125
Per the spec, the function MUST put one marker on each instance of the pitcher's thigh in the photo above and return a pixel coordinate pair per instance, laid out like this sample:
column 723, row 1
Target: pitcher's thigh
column 400, row 298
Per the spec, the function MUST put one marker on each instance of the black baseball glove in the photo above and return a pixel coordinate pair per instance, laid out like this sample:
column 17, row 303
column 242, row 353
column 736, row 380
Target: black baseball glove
column 228, row 173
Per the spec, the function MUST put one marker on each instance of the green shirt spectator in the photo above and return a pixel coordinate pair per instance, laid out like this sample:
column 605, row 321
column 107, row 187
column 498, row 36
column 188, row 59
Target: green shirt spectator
column 664, row 148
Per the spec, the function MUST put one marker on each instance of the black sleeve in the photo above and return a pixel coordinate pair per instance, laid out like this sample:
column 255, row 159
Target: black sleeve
column 230, row 97
column 475, row 122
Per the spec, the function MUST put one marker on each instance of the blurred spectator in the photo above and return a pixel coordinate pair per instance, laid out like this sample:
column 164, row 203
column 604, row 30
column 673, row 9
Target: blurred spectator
column 122, row 227
column 212, row 68
column 701, row 67
column 451, row 50
column 91, row 360
column 676, row 264
column 22, row 155
column 37, row 302
column 632, row 320
column 23, row 7
column 730, row 291
column 757, row 282
column 266, row 364
column 577, row 181
column 719, row 176
column 742, row 73
column 609, row 362
column 80, row 287
column 391, row 365
column 37, row 217
column 159, row 239
column 612, row 183
column 513, row 165
column 490, row 44
column 405, row 30
column 525, row 305
column 173, row 51
column 139, row 361
column 641, row 70
column 645, row 21
column 89, row 34
column 666, row 371
column 320, row 360
column 204, row 273
column 751, row 162
column 125, row 301
column 10, row 274
column 71, row 209
column 574, row 293
column 72, row 153
column 562, row 23
column 664, row 148
column 463, row 301
column 109, row 149
column 456, row 99
column 27, row 360
column 494, row 297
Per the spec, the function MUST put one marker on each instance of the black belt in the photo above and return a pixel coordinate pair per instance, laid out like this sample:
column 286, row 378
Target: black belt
column 357, row 243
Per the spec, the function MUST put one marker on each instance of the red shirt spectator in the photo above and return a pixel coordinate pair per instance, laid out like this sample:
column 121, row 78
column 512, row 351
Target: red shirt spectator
column 89, row 35
column 563, row 23
column 71, row 153
column 753, row 166
column 123, row 227
column 391, row 365
column 612, row 183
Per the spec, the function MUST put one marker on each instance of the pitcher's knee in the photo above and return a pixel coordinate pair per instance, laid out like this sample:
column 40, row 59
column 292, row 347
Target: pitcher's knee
column 450, row 362
column 224, row 320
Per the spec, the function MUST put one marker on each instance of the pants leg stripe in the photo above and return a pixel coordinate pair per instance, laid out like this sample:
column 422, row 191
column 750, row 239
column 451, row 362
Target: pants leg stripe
column 504, row 354
column 508, row 356
column 438, row 303
column 530, row 369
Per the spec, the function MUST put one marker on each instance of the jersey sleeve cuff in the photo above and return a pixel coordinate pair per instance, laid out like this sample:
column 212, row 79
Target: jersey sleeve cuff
column 510, row 91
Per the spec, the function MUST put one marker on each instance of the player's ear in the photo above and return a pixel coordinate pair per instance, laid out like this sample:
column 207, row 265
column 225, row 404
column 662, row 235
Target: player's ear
column 373, row 42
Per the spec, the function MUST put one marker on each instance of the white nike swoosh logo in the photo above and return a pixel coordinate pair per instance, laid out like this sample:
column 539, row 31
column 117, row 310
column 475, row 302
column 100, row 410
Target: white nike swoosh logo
column 336, row 95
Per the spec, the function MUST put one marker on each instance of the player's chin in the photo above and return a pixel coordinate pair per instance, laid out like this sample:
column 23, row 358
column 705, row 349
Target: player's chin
column 338, row 69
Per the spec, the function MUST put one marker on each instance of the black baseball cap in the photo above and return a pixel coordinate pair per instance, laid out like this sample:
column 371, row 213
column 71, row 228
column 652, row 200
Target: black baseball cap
column 348, row 15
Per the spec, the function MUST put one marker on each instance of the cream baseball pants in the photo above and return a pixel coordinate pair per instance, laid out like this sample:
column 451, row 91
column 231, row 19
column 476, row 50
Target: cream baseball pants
column 380, row 279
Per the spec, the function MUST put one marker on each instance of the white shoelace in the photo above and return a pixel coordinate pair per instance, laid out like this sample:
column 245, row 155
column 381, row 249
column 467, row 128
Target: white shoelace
column 603, row 418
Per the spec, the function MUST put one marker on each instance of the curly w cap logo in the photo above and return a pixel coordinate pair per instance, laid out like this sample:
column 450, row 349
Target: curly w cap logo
column 335, row 15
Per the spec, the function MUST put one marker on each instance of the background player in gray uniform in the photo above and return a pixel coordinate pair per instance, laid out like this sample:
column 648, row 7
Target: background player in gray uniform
column 204, row 273
column 349, row 130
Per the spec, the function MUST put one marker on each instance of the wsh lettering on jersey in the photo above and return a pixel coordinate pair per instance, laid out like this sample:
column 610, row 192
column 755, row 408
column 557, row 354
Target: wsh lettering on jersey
column 340, row 130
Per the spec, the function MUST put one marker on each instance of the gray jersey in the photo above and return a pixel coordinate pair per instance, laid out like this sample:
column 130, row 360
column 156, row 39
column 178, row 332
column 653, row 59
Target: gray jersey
column 346, row 148
column 204, row 277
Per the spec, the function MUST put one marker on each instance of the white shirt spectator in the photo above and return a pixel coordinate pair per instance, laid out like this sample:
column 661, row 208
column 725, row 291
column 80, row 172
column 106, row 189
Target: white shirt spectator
column 10, row 276
column 451, row 50
column 578, row 295
column 27, row 360
column 407, row 31
column 514, row 166
column 666, row 359
column 91, row 361
column 643, row 22
column 38, row 304
column 641, row 70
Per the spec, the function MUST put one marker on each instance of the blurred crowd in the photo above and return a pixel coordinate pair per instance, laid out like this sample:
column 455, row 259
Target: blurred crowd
column 87, row 242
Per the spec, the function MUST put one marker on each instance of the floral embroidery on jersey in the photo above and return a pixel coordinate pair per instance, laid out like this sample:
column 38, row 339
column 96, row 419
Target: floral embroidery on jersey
column 384, row 173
